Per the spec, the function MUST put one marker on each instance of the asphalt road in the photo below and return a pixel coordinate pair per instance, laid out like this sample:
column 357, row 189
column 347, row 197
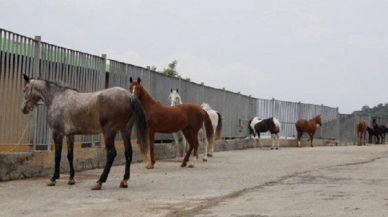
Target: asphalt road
column 319, row 181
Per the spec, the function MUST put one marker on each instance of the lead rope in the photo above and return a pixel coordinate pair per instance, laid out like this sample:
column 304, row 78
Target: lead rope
column 24, row 132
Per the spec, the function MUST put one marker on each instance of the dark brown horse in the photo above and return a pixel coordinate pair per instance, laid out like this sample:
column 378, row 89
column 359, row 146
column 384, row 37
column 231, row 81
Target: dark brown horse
column 187, row 117
column 307, row 126
column 71, row 113
column 361, row 128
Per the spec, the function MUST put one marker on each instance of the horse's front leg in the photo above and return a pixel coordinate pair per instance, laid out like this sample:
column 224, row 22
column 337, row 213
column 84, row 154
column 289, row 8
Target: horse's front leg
column 311, row 139
column 176, row 141
column 273, row 140
column 70, row 158
column 58, row 138
column 110, row 156
column 298, row 139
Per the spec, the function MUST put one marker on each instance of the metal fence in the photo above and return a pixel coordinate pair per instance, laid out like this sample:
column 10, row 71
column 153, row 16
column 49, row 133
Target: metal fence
column 86, row 72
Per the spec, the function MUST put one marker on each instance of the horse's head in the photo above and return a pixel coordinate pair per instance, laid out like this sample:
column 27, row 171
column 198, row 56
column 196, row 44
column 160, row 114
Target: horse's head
column 31, row 96
column 374, row 122
column 318, row 120
column 174, row 97
column 135, row 87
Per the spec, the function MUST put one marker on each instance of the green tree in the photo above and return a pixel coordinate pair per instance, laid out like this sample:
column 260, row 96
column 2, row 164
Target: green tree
column 171, row 70
column 152, row 68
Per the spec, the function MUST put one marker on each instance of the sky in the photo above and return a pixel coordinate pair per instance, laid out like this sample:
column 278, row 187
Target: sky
column 327, row 52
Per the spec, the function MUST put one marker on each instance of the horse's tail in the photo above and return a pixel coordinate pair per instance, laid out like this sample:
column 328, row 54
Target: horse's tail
column 278, row 126
column 219, row 126
column 209, row 128
column 141, row 128
column 250, row 128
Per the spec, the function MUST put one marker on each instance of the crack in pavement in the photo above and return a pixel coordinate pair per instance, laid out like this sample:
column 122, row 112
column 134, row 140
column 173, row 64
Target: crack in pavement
column 211, row 202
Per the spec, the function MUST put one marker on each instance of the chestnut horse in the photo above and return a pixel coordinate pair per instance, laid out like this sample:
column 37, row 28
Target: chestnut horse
column 305, row 126
column 361, row 128
column 186, row 117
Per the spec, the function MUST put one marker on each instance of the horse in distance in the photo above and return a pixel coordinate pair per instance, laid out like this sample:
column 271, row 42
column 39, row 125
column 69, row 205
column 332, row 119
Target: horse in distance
column 361, row 128
column 257, row 126
column 175, row 99
column 309, row 127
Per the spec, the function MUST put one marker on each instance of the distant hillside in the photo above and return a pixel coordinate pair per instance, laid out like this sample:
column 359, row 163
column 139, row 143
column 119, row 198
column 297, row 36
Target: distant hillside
column 379, row 110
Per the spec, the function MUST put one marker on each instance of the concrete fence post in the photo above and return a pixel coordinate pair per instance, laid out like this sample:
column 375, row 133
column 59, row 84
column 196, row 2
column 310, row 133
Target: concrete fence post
column 338, row 125
column 203, row 92
column 103, row 71
column 36, row 73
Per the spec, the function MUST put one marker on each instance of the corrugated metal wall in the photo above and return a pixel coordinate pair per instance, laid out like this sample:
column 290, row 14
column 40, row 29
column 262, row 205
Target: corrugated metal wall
column 86, row 72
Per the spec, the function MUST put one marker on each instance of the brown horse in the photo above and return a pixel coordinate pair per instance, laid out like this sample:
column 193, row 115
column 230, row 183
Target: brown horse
column 187, row 117
column 304, row 126
column 361, row 128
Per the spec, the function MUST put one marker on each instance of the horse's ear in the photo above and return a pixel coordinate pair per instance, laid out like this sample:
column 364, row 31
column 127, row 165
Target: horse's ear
column 171, row 90
column 130, row 79
column 26, row 78
column 138, row 80
column 177, row 90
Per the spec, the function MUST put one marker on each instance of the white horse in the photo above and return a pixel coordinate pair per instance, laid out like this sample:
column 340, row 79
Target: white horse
column 216, row 120
column 257, row 126
column 175, row 99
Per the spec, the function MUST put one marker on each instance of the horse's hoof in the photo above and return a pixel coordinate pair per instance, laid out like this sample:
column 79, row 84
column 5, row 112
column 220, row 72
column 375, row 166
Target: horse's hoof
column 312, row 146
column 124, row 184
column 97, row 186
column 271, row 148
column 184, row 164
column 150, row 166
column 71, row 182
column 191, row 165
column 210, row 155
column 205, row 159
column 51, row 183
column 277, row 149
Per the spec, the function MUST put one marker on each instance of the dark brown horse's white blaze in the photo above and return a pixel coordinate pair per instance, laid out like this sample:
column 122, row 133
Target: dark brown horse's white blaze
column 186, row 117
column 70, row 113
column 361, row 129
column 307, row 126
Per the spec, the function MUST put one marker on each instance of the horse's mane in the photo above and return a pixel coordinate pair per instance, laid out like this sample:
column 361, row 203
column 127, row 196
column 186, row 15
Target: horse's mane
column 56, row 84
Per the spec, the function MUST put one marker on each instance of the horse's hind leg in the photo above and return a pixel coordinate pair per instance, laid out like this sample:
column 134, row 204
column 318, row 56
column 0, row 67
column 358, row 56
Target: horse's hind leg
column 110, row 156
column 70, row 157
column 206, row 143
column 151, row 139
column 273, row 137
column 128, row 157
column 58, row 137
column 196, row 145
column 189, row 139
column 277, row 141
